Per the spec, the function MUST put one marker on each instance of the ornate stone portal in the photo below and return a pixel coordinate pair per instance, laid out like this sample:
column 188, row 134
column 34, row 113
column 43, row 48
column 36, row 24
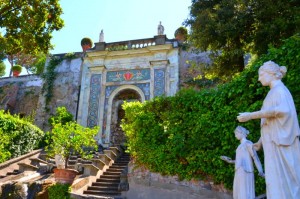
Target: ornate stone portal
column 129, row 70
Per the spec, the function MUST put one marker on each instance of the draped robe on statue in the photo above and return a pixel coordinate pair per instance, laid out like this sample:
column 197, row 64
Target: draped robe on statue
column 280, row 139
column 243, row 184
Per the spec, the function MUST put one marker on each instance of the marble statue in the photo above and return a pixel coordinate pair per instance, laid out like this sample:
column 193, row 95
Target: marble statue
column 279, row 134
column 243, row 184
column 160, row 29
column 101, row 37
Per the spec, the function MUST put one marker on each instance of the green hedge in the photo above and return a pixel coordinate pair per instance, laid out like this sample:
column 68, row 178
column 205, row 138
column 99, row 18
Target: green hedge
column 17, row 136
column 186, row 134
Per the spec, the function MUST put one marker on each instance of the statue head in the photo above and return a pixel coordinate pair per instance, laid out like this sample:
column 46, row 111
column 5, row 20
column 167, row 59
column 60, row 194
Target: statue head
column 241, row 130
column 274, row 69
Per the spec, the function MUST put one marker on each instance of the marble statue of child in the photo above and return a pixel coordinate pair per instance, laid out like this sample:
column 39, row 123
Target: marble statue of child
column 243, row 184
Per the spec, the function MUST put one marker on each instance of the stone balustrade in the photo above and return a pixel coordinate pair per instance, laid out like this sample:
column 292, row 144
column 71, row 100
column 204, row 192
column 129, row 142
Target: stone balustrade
column 133, row 44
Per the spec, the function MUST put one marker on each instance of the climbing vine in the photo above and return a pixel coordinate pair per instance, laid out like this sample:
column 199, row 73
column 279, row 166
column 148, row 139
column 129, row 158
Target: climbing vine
column 50, row 75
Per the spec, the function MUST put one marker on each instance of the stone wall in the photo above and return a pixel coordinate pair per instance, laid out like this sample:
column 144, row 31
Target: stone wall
column 23, row 94
column 186, row 70
column 148, row 185
column 65, row 92
column 20, row 94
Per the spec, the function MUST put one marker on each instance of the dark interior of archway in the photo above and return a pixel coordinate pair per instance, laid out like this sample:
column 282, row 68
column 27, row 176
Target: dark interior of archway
column 118, row 136
column 128, row 94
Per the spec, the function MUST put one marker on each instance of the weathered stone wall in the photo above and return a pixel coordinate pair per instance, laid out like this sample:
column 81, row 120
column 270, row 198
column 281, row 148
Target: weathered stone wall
column 186, row 61
column 148, row 185
column 20, row 94
column 65, row 92
column 23, row 94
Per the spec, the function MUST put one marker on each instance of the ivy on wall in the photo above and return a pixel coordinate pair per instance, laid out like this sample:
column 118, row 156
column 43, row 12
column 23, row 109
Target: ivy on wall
column 50, row 75
column 186, row 134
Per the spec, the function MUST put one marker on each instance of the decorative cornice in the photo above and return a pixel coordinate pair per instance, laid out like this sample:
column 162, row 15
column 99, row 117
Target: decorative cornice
column 97, row 68
column 159, row 62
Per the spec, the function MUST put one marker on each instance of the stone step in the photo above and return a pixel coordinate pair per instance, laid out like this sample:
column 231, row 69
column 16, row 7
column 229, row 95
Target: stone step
column 108, row 183
column 102, row 179
column 112, row 172
column 105, row 184
column 115, row 177
column 97, row 188
column 102, row 193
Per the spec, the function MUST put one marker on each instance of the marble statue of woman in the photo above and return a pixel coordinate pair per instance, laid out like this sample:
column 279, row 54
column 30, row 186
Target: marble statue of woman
column 160, row 29
column 279, row 135
column 101, row 36
column 243, row 184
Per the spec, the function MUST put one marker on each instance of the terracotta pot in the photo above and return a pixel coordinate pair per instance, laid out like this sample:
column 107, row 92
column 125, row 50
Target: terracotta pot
column 16, row 73
column 65, row 176
column 180, row 37
column 86, row 47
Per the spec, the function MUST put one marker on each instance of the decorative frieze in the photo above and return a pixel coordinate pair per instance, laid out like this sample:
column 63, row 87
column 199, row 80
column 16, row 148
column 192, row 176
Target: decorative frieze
column 128, row 75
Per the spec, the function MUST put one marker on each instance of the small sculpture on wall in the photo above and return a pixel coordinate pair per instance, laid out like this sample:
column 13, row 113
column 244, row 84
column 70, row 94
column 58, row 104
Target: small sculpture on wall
column 243, row 184
column 160, row 29
column 101, row 37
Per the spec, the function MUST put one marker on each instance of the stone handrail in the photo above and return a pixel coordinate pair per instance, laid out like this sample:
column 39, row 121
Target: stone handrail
column 18, row 159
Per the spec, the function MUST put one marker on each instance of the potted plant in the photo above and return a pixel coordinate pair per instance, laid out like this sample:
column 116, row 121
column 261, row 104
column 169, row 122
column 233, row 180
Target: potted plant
column 67, row 139
column 181, row 34
column 16, row 69
column 86, row 43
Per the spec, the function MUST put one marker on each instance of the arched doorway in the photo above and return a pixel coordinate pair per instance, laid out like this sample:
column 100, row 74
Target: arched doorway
column 117, row 136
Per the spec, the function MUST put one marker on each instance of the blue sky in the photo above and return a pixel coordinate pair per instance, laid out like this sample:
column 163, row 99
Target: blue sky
column 120, row 20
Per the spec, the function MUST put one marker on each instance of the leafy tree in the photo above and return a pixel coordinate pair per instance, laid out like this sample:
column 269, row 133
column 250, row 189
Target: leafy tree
column 2, row 68
column 32, row 63
column 235, row 27
column 62, row 116
column 27, row 26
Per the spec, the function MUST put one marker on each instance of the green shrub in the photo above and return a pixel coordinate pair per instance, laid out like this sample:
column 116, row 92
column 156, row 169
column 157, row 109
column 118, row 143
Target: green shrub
column 17, row 68
column 71, row 137
column 22, row 136
column 59, row 191
column 86, row 41
column 4, row 141
column 62, row 116
column 186, row 134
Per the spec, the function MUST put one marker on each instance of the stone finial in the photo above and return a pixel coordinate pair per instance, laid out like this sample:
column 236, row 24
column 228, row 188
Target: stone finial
column 101, row 37
column 160, row 29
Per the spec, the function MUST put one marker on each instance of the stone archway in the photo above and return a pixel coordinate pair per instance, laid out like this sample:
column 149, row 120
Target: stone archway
column 117, row 136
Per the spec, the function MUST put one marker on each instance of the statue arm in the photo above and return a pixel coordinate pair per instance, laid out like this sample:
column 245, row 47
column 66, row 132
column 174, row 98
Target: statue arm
column 280, row 108
column 268, row 113
column 256, row 160
column 257, row 146
column 227, row 159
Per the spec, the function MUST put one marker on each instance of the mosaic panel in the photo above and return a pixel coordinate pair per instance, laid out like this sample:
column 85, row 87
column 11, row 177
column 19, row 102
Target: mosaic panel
column 128, row 75
column 95, row 92
column 159, row 82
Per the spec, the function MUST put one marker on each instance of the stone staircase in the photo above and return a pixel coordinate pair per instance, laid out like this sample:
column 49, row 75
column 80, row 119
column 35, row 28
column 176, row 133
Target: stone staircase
column 111, row 182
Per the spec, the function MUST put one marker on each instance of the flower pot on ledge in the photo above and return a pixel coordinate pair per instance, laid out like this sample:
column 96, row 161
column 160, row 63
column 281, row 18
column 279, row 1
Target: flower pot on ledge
column 16, row 73
column 16, row 69
column 65, row 176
